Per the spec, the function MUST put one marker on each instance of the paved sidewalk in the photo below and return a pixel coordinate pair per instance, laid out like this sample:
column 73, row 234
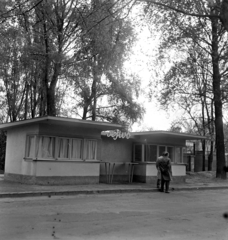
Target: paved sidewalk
column 194, row 181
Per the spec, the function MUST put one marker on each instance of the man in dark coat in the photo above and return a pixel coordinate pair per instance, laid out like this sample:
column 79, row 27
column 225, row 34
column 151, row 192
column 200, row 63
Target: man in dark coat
column 164, row 165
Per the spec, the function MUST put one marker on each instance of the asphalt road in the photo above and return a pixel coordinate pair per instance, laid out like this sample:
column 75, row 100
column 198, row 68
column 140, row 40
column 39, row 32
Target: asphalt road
column 179, row 215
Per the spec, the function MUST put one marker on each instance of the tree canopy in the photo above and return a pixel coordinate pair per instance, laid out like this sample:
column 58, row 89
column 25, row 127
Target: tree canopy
column 56, row 51
column 199, row 73
column 50, row 45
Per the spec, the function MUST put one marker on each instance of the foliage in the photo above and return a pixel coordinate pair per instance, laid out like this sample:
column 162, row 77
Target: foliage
column 47, row 44
column 50, row 48
column 106, row 92
column 198, row 76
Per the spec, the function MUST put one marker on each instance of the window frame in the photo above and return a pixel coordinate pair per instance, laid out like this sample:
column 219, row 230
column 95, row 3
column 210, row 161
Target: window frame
column 56, row 146
column 173, row 158
column 27, row 144
column 181, row 154
column 37, row 147
column 143, row 153
column 57, row 149
column 83, row 149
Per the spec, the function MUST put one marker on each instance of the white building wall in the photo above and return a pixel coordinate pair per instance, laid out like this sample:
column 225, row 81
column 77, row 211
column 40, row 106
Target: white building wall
column 15, row 150
column 65, row 169
column 179, row 169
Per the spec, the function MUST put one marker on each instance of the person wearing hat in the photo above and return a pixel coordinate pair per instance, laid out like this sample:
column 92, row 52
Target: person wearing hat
column 164, row 165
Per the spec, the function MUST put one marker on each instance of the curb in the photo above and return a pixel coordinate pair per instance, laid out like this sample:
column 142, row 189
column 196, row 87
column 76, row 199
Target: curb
column 200, row 188
column 65, row 193
column 104, row 191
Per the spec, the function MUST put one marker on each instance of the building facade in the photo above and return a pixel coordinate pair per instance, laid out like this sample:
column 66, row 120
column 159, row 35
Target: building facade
column 54, row 150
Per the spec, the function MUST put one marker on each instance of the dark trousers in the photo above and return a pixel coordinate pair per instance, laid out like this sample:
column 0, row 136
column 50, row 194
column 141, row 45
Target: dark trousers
column 165, row 183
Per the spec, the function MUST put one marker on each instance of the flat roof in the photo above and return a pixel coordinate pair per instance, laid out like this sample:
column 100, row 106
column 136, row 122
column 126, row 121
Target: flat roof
column 63, row 121
column 185, row 136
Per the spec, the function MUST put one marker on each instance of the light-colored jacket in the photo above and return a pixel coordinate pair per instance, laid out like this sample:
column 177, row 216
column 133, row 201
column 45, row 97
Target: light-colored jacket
column 159, row 172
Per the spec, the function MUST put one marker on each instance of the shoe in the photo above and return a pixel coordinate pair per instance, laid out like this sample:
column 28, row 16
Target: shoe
column 160, row 190
column 166, row 191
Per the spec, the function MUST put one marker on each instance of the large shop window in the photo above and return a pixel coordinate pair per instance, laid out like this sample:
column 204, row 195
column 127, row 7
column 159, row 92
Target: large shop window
column 45, row 147
column 145, row 153
column 150, row 153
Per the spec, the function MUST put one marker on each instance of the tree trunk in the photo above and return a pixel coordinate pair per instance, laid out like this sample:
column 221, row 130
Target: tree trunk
column 94, row 93
column 45, row 80
column 87, row 102
column 220, row 147
column 26, row 100
column 204, row 157
column 51, row 101
column 210, row 157
column 94, row 108
column 43, row 96
column 85, row 110
column 204, row 133
column 211, row 128
column 51, row 110
column 33, row 100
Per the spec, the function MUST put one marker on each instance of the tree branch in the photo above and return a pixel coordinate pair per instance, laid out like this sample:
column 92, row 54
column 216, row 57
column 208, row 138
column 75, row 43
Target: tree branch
column 179, row 10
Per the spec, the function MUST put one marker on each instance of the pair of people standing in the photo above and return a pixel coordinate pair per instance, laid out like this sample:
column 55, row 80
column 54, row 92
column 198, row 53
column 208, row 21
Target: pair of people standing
column 163, row 165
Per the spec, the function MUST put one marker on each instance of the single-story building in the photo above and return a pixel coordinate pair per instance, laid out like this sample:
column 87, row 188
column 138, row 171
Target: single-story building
column 56, row 150
column 142, row 151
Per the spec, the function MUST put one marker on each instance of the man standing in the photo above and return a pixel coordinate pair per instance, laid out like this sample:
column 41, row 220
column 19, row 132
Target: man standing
column 158, row 173
column 164, row 165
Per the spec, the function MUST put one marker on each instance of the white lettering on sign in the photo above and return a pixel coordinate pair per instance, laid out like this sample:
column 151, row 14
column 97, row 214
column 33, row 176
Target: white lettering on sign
column 118, row 134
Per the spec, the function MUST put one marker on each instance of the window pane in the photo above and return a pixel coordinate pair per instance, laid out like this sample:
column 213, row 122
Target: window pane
column 151, row 153
column 138, row 153
column 90, row 149
column 30, row 151
column 161, row 150
column 45, row 147
column 76, row 149
column 170, row 151
column 177, row 155
column 189, row 147
column 63, row 147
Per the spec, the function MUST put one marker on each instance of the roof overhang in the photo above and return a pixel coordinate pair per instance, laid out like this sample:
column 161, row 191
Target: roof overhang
column 184, row 136
column 63, row 122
